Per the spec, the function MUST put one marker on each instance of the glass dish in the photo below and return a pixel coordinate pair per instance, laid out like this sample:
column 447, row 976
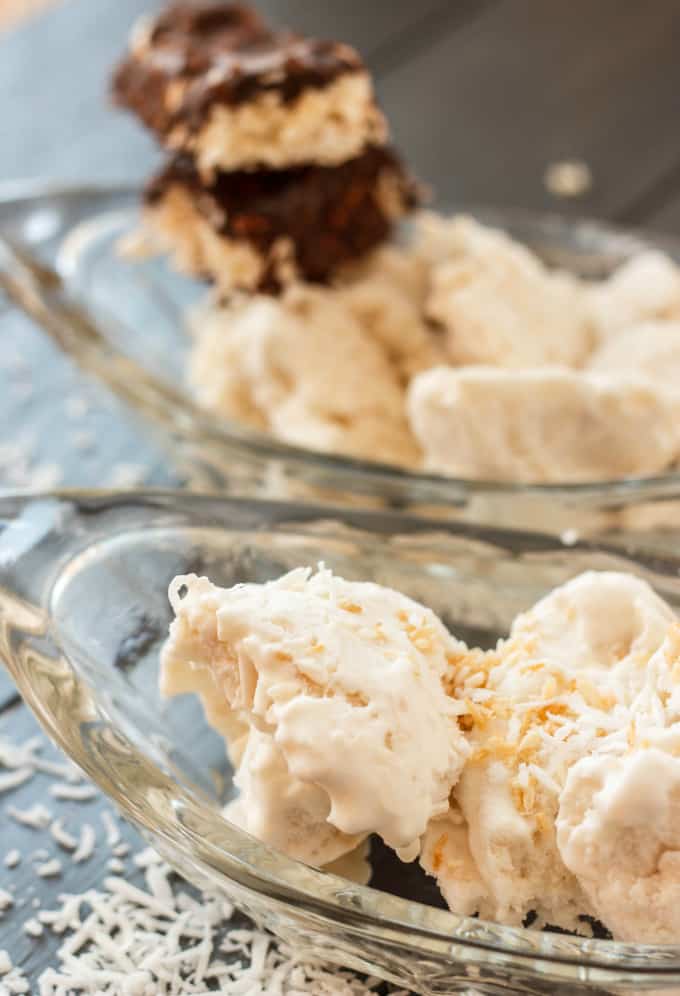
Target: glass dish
column 138, row 350
column 84, row 609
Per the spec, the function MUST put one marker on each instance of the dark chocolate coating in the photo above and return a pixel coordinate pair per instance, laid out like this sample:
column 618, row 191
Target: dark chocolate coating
column 224, row 54
column 332, row 214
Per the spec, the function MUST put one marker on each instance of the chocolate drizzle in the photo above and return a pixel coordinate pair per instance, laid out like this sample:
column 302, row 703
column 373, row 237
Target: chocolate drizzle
column 197, row 55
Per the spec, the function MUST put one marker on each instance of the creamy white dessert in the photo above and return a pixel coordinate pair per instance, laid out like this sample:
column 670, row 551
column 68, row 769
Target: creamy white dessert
column 341, row 685
column 650, row 349
column 464, row 356
column 618, row 823
column 540, row 778
column 563, row 687
column 500, row 305
column 387, row 297
column 543, row 425
column 304, row 368
column 644, row 288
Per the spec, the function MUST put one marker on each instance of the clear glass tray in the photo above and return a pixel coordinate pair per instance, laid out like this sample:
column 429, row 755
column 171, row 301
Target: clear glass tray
column 84, row 610
column 139, row 349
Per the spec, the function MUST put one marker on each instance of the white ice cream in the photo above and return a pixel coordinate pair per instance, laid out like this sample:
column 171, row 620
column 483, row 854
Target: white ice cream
column 500, row 305
column 305, row 369
column 541, row 425
column 286, row 812
column 540, row 777
column 618, row 826
column 343, row 686
column 650, row 350
column 562, row 688
column 645, row 288
column 387, row 296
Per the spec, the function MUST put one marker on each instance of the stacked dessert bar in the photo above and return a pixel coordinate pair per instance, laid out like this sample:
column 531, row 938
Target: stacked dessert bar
column 279, row 166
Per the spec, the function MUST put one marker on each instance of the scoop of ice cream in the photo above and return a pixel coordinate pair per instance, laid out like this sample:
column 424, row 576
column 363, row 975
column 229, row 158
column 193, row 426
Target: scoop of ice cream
column 645, row 288
column 445, row 854
column 303, row 367
column 541, row 425
column 559, row 689
column 618, row 831
column 387, row 296
column 500, row 306
column 651, row 350
column 281, row 810
column 347, row 679
column 618, row 824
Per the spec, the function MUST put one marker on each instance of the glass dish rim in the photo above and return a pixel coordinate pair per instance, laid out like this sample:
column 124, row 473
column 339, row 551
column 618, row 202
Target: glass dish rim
column 137, row 387
column 420, row 928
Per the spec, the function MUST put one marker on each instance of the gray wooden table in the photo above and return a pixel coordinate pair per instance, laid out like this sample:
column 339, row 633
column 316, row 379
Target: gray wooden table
column 482, row 94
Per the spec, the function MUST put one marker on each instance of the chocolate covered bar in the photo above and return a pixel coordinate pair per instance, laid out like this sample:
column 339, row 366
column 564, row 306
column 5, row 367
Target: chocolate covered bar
column 263, row 230
column 213, row 80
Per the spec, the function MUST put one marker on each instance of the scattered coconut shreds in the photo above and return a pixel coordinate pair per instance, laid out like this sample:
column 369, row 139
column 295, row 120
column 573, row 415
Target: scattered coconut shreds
column 74, row 793
column 12, row 980
column 123, row 940
column 147, row 857
column 37, row 817
column 111, row 828
column 126, row 942
column 86, row 844
column 49, row 869
column 63, row 837
column 13, row 779
column 26, row 759
column 14, row 984
column 33, row 927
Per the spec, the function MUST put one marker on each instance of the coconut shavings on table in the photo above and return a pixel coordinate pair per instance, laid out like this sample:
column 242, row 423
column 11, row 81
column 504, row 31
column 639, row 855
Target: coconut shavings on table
column 166, row 942
column 138, row 929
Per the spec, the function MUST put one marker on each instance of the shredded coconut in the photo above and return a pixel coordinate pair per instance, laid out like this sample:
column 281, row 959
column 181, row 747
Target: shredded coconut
column 111, row 828
column 63, row 837
column 12, row 779
column 126, row 942
column 86, row 844
column 33, row 927
column 49, row 869
column 74, row 793
column 37, row 817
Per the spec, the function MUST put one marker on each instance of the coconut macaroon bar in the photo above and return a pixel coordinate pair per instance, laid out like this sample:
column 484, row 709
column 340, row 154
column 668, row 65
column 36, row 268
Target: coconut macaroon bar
column 265, row 229
column 215, row 81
